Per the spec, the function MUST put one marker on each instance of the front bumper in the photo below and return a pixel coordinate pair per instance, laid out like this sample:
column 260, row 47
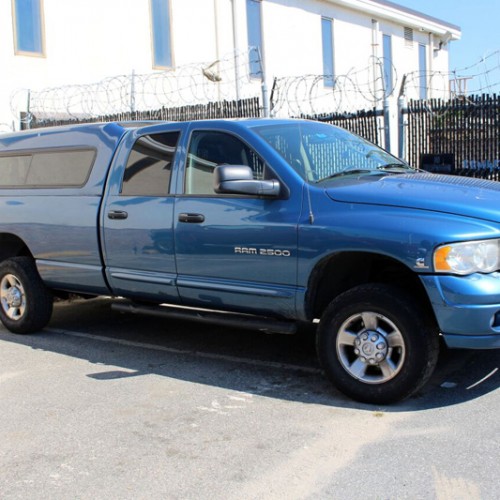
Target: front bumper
column 467, row 309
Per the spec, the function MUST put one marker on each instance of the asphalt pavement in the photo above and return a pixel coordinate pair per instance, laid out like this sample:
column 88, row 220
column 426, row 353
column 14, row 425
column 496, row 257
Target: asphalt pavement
column 104, row 405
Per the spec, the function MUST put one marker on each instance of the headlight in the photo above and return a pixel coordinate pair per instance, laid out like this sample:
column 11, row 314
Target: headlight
column 467, row 258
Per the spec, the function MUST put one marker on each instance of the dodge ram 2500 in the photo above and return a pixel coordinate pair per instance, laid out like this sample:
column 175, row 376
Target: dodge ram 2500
column 266, row 224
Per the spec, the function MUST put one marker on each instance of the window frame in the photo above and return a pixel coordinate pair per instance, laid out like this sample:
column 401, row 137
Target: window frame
column 154, row 19
column 22, row 51
column 328, row 51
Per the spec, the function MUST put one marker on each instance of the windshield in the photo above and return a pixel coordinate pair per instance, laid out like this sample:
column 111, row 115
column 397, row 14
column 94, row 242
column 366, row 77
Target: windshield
column 318, row 151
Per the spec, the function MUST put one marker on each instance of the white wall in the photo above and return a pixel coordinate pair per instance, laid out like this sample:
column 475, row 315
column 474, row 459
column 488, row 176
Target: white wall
column 89, row 40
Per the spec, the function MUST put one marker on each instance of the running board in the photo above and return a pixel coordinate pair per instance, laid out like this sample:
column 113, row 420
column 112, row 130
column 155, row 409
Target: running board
column 249, row 322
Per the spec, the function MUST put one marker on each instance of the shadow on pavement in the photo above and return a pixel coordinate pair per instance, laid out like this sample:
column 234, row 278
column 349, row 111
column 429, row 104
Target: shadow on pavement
column 275, row 366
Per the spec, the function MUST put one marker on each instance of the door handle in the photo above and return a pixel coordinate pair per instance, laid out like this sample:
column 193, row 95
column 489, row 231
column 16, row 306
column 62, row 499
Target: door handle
column 117, row 214
column 196, row 218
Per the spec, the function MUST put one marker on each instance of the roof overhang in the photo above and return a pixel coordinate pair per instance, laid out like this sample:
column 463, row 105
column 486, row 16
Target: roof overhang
column 382, row 9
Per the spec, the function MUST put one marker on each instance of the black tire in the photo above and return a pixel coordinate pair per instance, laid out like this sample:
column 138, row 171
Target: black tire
column 376, row 345
column 25, row 302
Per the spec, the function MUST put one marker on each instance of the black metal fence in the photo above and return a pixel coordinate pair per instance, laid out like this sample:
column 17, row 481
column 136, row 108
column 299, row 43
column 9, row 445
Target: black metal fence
column 243, row 108
column 366, row 123
column 460, row 136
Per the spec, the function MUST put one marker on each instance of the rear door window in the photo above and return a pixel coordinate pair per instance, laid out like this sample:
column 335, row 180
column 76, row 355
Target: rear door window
column 149, row 165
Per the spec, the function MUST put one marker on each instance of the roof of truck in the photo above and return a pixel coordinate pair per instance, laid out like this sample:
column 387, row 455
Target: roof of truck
column 72, row 133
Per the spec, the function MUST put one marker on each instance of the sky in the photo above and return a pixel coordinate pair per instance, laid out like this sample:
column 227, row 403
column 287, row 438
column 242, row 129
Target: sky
column 479, row 21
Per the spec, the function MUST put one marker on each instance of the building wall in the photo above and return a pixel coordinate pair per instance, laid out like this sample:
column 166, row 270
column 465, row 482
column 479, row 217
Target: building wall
column 89, row 40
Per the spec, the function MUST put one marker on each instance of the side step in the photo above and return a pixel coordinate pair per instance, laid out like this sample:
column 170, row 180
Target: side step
column 249, row 322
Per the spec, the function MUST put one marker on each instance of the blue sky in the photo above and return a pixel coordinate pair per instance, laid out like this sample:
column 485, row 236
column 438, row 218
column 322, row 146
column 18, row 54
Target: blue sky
column 479, row 21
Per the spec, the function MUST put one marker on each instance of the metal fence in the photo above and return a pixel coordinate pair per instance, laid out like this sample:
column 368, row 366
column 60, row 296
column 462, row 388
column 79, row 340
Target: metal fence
column 366, row 123
column 460, row 136
column 243, row 108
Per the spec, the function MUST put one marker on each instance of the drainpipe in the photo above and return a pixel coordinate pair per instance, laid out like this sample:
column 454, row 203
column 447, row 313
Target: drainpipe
column 401, row 119
column 430, row 66
column 386, row 110
column 375, row 31
column 263, row 86
column 217, row 49
column 236, row 48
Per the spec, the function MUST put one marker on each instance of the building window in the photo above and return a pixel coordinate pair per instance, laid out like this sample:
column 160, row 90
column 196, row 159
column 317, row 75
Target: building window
column 327, row 44
column 387, row 49
column 28, row 26
column 161, row 28
column 422, row 66
column 254, row 28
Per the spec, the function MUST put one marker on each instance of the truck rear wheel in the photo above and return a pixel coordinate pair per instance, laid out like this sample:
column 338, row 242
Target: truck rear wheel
column 25, row 302
column 375, row 344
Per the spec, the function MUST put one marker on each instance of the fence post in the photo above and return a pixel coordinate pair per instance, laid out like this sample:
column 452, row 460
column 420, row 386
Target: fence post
column 387, row 127
column 132, row 92
column 25, row 117
column 401, row 123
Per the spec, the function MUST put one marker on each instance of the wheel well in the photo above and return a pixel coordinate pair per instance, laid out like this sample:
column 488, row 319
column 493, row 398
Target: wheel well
column 343, row 271
column 12, row 246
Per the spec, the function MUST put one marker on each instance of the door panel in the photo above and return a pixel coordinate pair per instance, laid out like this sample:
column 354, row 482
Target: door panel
column 233, row 252
column 242, row 256
column 137, row 221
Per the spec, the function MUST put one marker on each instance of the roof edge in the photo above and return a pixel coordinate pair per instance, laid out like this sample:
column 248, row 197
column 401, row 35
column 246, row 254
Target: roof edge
column 403, row 15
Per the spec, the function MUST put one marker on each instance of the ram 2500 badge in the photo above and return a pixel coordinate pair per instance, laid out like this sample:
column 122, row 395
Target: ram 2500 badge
column 279, row 222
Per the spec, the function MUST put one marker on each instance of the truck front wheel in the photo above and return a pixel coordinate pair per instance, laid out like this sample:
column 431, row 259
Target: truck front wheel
column 376, row 345
column 25, row 302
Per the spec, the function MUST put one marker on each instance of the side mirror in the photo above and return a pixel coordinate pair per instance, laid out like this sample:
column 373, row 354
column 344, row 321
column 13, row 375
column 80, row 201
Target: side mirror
column 238, row 179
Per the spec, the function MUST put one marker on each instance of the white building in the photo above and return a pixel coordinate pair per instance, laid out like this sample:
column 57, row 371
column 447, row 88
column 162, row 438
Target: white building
column 100, row 56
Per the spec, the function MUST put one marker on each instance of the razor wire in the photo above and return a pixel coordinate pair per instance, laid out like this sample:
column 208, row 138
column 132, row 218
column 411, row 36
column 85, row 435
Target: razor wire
column 229, row 78
column 356, row 90
column 226, row 78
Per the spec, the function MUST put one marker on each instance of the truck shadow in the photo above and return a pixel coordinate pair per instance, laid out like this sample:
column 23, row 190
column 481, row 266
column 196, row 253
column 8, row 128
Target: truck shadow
column 275, row 366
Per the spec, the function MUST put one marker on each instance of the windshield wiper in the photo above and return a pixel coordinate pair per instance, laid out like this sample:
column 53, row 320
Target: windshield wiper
column 350, row 171
column 394, row 167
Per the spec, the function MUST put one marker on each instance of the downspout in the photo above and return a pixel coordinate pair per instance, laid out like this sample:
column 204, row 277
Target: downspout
column 265, row 94
column 217, row 49
column 375, row 28
column 386, row 110
column 236, row 48
column 401, row 119
column 430, row 57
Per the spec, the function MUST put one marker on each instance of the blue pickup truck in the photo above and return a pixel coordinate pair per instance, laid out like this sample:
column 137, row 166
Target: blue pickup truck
column 266, row 224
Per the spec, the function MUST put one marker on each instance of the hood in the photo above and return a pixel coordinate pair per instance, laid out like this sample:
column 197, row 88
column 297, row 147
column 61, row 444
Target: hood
column 423, row 191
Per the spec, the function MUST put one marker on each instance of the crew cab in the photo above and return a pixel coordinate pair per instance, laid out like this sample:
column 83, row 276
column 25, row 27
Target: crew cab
column 259, row 223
